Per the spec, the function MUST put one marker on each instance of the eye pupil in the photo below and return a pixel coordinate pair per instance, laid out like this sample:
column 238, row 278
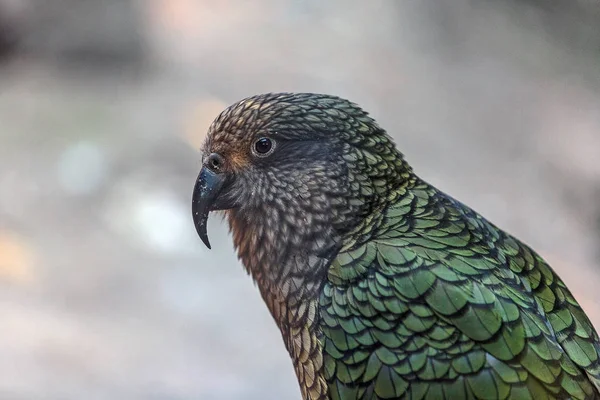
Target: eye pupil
column 263, row 145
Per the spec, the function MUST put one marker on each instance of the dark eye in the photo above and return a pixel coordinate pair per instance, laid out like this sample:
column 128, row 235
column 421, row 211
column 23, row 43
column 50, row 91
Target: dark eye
column 263, row 146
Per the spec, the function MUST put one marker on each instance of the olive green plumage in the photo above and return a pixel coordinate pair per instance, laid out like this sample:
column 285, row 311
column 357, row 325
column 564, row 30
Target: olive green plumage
column 442, row 304
column 384, row 287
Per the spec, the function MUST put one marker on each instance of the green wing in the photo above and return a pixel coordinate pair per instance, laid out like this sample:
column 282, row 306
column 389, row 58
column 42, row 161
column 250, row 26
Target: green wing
column 441, row 304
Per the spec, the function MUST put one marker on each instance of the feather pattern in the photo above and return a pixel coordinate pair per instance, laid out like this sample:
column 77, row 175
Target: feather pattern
column 441, row 304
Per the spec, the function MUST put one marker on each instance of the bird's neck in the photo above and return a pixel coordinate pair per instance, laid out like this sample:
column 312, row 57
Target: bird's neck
column 288, row 255
column 290, row 276
column 281, row 253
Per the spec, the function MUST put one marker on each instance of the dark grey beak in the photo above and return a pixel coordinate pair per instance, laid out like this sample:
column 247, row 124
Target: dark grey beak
column 206, row 191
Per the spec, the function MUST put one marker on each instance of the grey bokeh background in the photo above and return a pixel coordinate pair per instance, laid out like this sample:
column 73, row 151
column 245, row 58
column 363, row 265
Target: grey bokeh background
column 105, row 290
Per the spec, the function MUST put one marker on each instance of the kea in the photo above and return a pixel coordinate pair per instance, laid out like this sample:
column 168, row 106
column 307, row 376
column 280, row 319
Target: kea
column 384, row 287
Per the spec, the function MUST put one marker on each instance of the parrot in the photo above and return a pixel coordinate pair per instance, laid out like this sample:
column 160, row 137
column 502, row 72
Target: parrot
column 383, row 286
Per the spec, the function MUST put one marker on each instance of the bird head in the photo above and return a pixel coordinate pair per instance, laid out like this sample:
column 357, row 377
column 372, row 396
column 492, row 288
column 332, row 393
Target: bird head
column 296, row 168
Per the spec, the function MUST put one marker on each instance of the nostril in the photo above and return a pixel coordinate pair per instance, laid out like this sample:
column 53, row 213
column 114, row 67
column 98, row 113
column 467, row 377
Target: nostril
column 215, row 161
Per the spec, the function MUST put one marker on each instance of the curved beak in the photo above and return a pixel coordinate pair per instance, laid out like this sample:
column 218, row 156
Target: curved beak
column 206, row 191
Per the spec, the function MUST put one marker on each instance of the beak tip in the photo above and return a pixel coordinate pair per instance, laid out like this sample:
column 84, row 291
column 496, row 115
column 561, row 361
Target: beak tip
column 200, row 223
column 206, row 242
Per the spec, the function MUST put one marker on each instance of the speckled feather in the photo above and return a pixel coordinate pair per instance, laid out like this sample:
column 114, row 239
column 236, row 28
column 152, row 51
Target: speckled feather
column 384, row 287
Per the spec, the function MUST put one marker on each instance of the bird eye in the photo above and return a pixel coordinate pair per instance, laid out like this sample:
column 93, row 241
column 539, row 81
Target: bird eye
column 214, row 161
column 263, row 147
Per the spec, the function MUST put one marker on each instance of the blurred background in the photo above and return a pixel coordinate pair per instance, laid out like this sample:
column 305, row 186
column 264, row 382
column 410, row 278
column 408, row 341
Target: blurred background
column 105, row 290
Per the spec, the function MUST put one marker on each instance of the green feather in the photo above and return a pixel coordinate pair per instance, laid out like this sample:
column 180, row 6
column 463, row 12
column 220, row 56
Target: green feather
column 445, row 305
